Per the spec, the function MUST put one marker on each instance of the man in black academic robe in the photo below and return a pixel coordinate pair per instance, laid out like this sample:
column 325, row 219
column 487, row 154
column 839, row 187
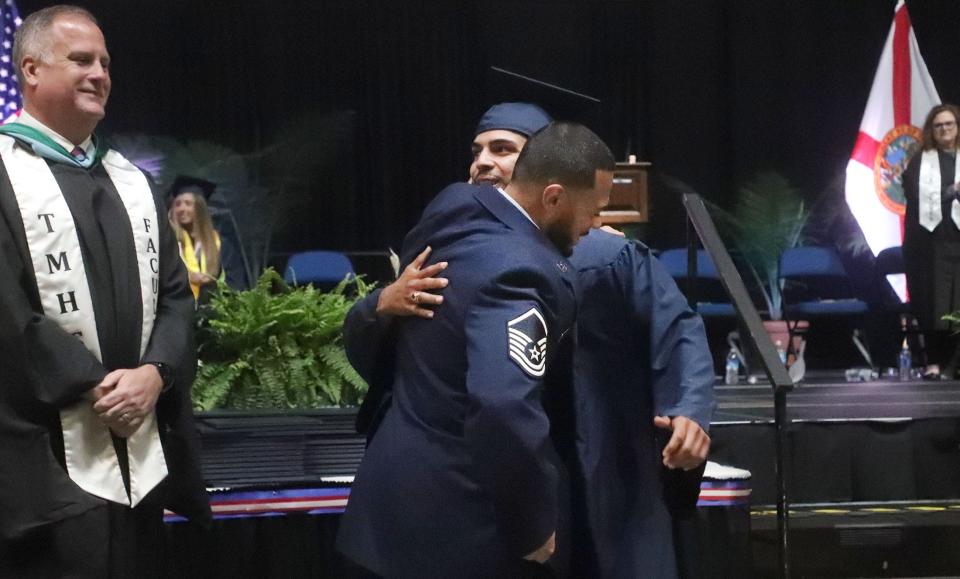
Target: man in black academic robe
column 49, row 526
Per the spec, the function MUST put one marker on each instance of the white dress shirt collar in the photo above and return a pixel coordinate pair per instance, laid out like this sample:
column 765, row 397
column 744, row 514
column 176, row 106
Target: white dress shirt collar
column 517, row 205
column 31, row 121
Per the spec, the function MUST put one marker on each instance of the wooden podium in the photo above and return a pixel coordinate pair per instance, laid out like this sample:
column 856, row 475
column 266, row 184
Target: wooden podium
column 628, row 197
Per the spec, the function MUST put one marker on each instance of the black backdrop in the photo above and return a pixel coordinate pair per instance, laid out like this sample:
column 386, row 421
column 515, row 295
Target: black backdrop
column 710, row 91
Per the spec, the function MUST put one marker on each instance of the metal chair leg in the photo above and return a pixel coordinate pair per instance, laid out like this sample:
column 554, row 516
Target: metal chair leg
column 861, row 347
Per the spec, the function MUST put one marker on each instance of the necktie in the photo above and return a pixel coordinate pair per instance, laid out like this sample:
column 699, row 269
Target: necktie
column 78, row 154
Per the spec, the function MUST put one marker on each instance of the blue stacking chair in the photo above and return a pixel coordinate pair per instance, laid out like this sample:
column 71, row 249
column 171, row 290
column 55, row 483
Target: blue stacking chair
column 709, row 286
column 816, row 286
column 323, row 269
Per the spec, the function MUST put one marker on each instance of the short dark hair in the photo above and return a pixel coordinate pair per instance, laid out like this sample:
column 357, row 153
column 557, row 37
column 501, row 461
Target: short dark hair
column 927, row 142
column 29, row 37
column 566, row 153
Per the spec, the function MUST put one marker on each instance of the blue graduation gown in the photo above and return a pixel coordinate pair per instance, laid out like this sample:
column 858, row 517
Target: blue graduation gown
column 640, row 352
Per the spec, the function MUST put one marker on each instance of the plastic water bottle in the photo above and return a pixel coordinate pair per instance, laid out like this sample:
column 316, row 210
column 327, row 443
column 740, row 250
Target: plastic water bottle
column 905, row 361
column 782, row 352
column 731, row 373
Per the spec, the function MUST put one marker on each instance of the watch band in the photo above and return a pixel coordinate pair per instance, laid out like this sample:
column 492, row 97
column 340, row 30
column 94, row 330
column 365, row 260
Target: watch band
column 166, row 375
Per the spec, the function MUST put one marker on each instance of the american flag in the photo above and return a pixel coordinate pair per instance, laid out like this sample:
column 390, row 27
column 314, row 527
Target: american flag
column 9, row 88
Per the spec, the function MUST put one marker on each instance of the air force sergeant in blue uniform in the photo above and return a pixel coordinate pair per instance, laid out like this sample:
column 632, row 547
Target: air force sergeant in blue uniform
column 462, row 479
column 644, row 377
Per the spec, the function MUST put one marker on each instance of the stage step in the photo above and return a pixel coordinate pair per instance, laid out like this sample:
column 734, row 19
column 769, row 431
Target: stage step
column 883, row 539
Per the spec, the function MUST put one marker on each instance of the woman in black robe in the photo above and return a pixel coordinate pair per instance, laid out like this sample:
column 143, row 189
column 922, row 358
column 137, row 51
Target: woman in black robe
column 932, row 257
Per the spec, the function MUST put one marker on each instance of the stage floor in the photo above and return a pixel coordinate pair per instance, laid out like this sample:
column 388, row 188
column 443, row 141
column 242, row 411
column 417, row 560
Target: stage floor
column 251, row 449
column 826, row 396
column 883, row 440
column 873, row 474
column 887, row 539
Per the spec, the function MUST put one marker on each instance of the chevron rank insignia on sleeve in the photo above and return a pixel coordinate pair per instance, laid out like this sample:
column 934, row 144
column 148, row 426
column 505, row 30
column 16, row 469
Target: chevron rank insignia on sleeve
column 527, row 342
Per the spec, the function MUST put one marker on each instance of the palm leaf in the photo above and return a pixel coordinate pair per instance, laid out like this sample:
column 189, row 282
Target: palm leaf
column 768, row 218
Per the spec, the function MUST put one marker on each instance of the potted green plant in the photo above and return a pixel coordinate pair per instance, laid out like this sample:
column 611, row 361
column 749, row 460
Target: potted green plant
column 768, row 217
column 277, row 347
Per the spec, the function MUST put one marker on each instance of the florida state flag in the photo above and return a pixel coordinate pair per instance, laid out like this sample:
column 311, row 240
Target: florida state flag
column 902, row 95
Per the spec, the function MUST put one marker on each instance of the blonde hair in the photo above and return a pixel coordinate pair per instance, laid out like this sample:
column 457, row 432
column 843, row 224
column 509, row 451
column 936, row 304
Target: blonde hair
column 203, row 230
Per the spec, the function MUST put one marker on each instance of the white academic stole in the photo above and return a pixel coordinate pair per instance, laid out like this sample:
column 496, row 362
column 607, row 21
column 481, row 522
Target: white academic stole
column 54, row 247
column 930, row 191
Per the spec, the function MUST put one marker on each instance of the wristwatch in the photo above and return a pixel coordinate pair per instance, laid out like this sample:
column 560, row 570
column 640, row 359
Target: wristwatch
column 166, row 375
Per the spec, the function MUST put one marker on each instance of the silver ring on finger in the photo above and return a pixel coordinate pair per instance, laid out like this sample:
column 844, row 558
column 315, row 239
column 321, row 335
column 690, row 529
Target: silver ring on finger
column 415, row 297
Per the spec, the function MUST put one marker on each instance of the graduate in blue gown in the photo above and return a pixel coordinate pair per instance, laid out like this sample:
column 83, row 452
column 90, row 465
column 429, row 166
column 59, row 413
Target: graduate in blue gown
column 465, row 477
column 643, row 378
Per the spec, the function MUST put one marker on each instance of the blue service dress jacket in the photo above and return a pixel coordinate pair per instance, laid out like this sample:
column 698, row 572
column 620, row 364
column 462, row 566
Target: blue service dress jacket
column 461, row 479
column 641, row 352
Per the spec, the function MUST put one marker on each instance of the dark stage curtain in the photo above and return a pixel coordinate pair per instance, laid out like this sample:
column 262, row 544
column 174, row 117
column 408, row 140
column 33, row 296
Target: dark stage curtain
column 710, row 91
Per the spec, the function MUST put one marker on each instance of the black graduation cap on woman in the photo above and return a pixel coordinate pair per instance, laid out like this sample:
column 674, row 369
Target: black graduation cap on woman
column 188, row 184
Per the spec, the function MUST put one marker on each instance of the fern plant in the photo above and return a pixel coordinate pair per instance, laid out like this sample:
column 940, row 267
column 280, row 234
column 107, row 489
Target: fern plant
column 954, row 318
column 276, row 346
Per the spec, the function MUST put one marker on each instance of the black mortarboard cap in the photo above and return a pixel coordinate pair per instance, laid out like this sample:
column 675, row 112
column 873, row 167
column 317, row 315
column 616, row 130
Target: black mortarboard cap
column 522, row 100
column 193, row 184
